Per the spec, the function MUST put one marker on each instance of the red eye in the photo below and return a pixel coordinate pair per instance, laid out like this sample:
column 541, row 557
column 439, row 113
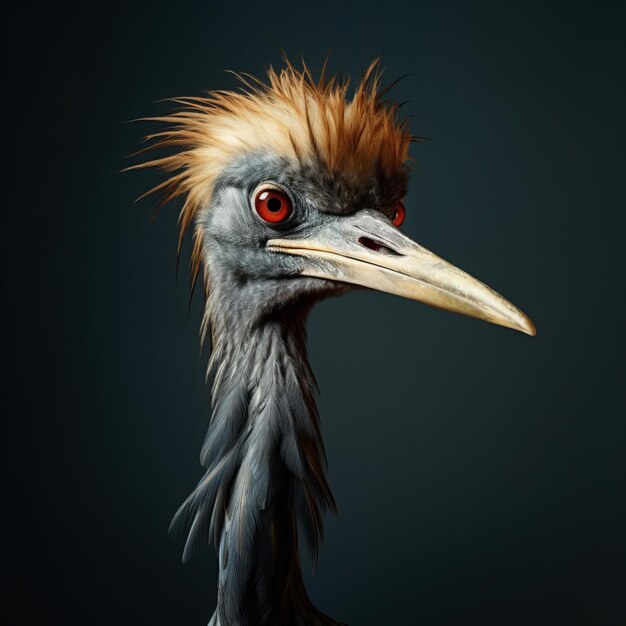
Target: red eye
column 399, row 215
column 272, row 205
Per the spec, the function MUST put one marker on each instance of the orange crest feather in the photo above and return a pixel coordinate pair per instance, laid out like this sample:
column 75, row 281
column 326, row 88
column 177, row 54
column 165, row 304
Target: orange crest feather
column 290, row 115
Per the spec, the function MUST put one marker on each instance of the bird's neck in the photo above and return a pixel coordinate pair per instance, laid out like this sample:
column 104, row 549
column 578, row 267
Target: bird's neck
column 265, row 473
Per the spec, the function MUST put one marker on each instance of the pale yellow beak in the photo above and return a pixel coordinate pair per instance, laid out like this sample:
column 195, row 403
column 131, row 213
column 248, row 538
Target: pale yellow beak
column 367, row 249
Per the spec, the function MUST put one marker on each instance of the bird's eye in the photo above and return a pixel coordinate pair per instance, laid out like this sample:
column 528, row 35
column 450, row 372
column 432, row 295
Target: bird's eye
column 399, row 214
column 273, row 205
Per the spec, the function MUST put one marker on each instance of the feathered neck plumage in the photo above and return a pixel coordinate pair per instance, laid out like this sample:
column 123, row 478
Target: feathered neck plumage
column 265, row 467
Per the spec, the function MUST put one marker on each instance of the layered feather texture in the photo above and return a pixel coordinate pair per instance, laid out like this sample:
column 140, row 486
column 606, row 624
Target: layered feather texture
column 265, row 474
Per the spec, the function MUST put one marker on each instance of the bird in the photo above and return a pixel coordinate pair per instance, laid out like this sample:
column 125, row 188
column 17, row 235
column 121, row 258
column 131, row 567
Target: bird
column 292, row 187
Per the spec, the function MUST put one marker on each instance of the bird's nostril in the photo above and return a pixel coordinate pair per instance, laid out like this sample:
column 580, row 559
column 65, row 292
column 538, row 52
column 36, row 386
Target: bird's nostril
column 377, row 246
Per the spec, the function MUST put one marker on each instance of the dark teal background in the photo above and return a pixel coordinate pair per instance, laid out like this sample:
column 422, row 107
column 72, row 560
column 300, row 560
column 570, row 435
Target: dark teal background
column 479, row 473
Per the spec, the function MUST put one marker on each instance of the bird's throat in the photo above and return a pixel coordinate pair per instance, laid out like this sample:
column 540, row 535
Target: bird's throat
column 265, row 472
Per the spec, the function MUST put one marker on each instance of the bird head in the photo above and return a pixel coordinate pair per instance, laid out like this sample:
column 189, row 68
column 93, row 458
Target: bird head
column 295, row 189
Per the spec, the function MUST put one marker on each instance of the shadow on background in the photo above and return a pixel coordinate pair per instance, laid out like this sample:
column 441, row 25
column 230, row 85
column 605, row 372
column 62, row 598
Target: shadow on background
column 479, row 473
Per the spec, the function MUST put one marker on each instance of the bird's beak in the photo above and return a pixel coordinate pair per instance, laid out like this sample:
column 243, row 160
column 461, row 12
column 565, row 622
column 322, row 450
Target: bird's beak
column 367, row 249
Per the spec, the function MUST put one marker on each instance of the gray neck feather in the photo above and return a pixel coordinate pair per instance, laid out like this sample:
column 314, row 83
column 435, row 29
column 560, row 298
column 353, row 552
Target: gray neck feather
column 265, row 467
